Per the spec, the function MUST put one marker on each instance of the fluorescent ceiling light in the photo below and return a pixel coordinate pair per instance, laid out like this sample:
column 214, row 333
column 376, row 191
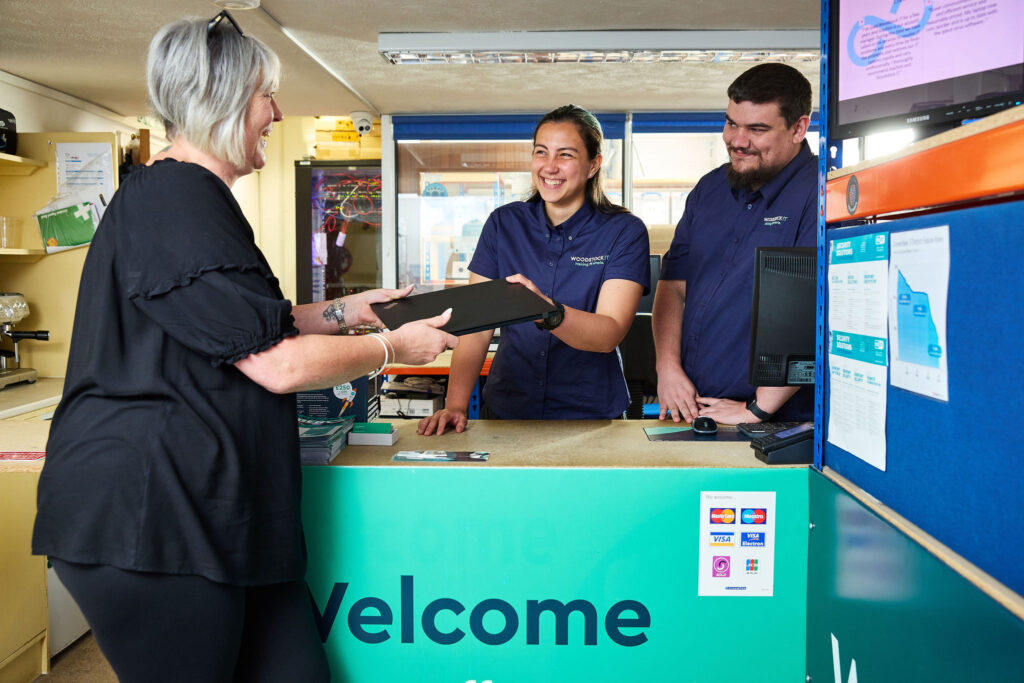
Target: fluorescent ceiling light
column 605, row 47
column 237, row 4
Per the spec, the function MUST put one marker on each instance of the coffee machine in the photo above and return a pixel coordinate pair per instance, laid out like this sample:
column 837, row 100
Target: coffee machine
column 13, row 308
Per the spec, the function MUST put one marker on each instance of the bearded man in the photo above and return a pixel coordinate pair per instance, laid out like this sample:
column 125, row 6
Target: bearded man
column 766, row 196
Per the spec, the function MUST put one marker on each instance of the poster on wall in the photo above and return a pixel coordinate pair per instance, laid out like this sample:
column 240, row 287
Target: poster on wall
column 858, row 275
column 918, row 291
column 737, row 543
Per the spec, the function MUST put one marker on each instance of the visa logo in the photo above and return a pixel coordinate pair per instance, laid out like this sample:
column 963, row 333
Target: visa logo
column 722, row 538
column 754, row 515
column 723, row 515
column 752, row 539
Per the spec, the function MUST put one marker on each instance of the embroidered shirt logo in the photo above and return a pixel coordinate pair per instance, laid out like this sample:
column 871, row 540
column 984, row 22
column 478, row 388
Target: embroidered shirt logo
column 587, row 261
column 772, row 221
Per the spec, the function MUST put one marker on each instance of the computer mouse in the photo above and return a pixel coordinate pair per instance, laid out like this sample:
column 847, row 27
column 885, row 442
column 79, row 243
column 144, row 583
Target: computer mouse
column 704, row 425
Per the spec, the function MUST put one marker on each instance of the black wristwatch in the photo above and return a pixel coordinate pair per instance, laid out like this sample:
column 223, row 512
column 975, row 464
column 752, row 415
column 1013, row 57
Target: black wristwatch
column 756, row 410
column 553, row 319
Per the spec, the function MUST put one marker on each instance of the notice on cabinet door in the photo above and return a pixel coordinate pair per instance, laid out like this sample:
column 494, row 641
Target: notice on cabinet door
column 86, row 170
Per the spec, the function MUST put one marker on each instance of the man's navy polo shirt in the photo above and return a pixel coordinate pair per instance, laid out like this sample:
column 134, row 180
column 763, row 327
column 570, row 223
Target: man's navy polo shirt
column 534, row 374
column 713, row 251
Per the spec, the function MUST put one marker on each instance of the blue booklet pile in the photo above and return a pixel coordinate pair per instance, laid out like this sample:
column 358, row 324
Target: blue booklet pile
column 321, row 440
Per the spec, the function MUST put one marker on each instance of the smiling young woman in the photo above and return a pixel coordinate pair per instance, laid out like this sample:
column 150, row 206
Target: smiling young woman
column 590, row 258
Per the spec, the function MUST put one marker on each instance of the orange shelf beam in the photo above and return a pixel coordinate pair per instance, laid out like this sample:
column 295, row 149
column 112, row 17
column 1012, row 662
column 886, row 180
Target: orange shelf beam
column 983, row 159
column 438, row 367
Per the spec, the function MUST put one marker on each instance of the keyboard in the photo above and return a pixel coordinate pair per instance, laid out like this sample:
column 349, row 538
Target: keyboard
column 758, row 429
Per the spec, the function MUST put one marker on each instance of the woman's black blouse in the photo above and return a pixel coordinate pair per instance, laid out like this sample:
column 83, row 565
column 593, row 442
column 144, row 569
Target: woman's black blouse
column 162, row 456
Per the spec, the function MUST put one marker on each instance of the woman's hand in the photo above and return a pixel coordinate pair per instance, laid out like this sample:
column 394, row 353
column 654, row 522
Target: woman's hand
column 435, row 424
column 357, row 306
column 525, row 281
column 420, row 341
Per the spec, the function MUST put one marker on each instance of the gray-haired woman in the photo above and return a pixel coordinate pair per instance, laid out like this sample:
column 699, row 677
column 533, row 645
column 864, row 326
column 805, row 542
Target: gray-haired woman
column 169, row 501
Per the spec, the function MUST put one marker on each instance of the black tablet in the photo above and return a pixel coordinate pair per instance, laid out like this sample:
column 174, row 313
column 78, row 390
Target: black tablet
column 476, row 307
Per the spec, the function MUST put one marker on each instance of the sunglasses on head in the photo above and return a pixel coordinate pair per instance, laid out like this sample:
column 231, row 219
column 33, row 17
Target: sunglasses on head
column 216, row 21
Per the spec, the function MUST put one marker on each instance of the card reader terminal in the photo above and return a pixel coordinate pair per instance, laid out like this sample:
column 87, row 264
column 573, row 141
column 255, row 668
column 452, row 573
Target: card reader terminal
column 793, row 446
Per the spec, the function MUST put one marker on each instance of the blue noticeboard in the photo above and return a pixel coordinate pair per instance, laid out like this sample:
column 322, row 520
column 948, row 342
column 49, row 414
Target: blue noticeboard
column 953, row 468
column 386, row 544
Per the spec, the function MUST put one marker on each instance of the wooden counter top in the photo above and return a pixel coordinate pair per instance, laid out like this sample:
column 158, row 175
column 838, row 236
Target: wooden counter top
column 23, row 398
column 562, row 443
column 511, row 443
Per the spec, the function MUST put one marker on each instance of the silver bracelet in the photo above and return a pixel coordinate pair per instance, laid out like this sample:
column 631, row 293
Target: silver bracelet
column 384, row 344
column 336, row 312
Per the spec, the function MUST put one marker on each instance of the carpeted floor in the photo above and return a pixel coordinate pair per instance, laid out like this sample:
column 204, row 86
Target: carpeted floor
column 80, row 662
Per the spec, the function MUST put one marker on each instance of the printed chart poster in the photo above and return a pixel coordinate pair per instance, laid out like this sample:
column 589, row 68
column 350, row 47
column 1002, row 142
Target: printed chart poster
column 918, row 290
column 737, row 543
column 858, row 276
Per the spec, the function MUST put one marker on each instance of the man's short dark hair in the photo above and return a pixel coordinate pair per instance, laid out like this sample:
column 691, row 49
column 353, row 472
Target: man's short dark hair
column 774, row 82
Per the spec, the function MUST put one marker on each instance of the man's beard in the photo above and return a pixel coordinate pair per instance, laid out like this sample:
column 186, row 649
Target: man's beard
column 752, row 180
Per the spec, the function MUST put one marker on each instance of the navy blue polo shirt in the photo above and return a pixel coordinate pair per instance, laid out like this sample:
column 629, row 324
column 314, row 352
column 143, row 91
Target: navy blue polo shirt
column 535, row 375
column 713, row 251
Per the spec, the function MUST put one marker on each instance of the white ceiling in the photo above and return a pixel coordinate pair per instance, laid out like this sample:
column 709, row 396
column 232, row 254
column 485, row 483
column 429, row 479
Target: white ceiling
column 95, row 50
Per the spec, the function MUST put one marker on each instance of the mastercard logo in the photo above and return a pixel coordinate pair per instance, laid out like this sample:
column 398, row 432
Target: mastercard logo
column 723, row 515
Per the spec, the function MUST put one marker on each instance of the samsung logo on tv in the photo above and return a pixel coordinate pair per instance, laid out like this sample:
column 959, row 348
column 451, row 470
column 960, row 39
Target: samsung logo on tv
column 918, row 119
column 368, row 619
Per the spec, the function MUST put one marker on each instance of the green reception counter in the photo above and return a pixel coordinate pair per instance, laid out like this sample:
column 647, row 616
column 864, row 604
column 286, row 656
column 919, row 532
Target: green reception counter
column 580, row 551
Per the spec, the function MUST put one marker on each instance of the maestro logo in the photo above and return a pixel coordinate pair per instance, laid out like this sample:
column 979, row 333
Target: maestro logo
column 754, row 515
column 720, row 565
column 723, row 515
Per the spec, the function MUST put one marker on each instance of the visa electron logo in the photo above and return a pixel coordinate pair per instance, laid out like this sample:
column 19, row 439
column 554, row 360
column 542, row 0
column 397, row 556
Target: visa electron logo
column 752, row 539
column 369, row 617
column 720, row 565
column 723, row 515
column 722, row 538
column 753, row 515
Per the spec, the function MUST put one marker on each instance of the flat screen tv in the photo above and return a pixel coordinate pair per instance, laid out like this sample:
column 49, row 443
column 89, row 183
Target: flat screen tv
column 931, row 64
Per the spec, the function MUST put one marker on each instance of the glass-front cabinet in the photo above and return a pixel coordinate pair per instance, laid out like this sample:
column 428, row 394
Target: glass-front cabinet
column 338, row 228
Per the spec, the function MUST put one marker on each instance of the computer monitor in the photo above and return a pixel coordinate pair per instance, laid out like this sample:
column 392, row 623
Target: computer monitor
column 647, row 301
column 782, row 325
column 928, row 65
